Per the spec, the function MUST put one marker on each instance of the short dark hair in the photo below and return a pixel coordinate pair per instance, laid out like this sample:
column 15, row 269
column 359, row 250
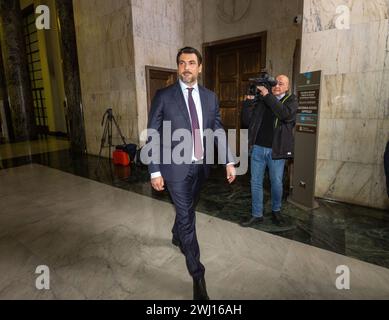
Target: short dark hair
column 189, row 50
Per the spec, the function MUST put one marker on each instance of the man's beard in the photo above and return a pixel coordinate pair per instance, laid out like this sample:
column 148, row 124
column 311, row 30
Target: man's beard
column 188, row 79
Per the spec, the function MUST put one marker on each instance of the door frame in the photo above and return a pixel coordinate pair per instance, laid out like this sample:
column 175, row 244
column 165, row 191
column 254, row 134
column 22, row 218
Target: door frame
column 209, row 50
column 209, row 47
column 149, row 70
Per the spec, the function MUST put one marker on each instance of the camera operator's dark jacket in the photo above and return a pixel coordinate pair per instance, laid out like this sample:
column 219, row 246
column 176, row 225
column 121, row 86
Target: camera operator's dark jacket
column 283, row 138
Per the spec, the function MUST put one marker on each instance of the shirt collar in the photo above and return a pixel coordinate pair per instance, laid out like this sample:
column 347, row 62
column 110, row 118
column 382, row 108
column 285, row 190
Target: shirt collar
column 185, row 86
column 281, row 96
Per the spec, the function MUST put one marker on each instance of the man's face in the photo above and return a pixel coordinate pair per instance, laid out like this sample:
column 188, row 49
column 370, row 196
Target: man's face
column 282, row 86
column 188, row 68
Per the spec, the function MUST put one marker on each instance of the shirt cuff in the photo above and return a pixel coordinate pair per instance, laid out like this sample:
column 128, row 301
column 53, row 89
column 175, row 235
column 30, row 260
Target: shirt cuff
column 156, row 175
column 230, row 163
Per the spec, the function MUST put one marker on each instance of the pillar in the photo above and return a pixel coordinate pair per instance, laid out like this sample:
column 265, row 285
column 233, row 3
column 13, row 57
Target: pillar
column 16, row 73
column 71, row 75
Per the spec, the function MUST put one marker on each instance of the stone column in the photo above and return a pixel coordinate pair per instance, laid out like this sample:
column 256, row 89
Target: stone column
column 296, row 65
column 16, row 71
column 71, row 75
column 6, row 112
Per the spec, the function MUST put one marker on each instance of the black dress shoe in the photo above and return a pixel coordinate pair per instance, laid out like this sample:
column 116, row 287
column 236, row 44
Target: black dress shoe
column 177, row 243
column 200, row 289
column 277, row 218
column 252, row 221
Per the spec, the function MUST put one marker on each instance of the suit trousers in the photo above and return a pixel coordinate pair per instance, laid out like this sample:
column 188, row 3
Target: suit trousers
column 185, row 195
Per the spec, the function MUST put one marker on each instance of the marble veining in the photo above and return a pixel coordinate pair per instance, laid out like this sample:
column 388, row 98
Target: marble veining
column 109, row 243
column 353, row 127
column 334, row 226
column 322, row 15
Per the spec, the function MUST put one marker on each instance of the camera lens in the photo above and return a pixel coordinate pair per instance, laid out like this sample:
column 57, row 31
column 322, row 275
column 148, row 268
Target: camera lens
column 253, row 90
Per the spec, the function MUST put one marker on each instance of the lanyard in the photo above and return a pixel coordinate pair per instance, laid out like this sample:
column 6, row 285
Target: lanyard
column 282, row 101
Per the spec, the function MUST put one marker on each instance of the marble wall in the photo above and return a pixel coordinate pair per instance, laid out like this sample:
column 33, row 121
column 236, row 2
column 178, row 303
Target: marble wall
column 158, row 29
column 105, row 44
column 117, row 40
column 194, row 24
column 253, row 16
column 354, row 121
column 161, row 27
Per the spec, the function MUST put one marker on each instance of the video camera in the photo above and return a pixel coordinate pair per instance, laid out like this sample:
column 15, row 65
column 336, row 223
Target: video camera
column 264, row 79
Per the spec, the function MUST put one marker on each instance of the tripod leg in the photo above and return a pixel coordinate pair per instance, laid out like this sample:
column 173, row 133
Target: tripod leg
column 120, row 132
column 103, row 140
column 110, row 145
column 110, row 140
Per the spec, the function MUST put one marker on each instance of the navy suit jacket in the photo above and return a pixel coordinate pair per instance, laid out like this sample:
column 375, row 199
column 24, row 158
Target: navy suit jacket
column 169, row 105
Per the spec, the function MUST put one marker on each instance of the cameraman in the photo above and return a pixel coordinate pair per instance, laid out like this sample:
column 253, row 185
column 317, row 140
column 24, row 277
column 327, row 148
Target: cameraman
column 270, row 121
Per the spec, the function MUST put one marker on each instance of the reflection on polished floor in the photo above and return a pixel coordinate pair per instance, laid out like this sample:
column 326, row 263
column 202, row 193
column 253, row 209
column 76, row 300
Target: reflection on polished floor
column 104, row 242
column 353, row 231
column 20, row 149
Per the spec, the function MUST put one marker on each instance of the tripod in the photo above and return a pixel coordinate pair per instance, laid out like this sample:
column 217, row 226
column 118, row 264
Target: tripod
column 107, row 121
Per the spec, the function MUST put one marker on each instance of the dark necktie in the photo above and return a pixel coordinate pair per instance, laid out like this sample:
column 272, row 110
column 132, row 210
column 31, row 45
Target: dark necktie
column 198, row 148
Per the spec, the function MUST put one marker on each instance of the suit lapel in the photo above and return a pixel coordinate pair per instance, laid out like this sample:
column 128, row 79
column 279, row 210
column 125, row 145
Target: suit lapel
column 204, row 106
column 179, row 96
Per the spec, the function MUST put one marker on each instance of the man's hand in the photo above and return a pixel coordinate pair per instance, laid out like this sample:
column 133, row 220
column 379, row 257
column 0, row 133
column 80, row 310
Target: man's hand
column 249, row 97
column 263, row 91
column 158, row 184
column 231, row 173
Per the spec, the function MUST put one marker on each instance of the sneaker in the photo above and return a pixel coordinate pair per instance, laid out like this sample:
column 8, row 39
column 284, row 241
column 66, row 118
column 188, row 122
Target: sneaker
column 277, row 218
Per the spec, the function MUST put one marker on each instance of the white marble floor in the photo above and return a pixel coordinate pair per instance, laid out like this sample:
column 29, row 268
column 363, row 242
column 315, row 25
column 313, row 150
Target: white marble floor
column 100, row 242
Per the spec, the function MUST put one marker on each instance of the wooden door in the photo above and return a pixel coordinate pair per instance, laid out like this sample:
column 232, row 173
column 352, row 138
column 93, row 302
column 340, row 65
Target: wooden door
column 158, row 78
column 230, row 66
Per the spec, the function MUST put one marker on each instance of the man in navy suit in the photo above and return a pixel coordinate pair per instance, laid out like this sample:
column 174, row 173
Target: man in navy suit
column 186, row 105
